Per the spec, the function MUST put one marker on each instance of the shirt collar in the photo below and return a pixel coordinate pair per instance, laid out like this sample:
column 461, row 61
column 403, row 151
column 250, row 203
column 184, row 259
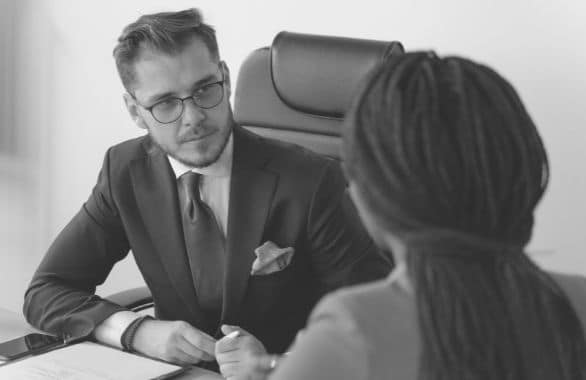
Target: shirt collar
column 221, row 168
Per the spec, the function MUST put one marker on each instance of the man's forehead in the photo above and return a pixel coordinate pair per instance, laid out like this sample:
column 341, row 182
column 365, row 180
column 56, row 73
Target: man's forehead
column 146, row 48
column 193, row 57
column 161, row 72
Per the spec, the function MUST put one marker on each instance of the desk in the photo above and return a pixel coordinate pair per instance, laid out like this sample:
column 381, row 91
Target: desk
column 12, row 325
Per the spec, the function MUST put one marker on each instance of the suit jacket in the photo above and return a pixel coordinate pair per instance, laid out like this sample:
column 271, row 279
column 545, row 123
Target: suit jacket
column 371, row 331
column 279, row 192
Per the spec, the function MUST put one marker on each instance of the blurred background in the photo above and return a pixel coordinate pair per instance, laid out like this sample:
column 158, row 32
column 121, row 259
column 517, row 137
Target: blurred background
column 61, row 101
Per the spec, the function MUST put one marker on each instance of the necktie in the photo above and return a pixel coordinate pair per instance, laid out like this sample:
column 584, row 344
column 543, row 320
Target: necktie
column 205, row 246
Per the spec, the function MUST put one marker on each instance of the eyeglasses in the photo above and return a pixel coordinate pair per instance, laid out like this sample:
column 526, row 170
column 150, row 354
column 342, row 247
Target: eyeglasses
column 169, row 110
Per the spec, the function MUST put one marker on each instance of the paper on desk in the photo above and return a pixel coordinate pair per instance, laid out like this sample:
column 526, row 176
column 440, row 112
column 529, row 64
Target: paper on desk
column 87, row 361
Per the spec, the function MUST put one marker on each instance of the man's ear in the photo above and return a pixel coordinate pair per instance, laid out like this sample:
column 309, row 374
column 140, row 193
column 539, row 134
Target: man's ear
column 133, row 110
column 227, row 81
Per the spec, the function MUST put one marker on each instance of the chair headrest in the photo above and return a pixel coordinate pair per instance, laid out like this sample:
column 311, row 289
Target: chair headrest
column 299, row 89
column 319, row 74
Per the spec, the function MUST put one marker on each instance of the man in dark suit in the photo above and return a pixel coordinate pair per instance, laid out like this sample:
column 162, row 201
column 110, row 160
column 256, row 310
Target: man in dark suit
column 226, row 227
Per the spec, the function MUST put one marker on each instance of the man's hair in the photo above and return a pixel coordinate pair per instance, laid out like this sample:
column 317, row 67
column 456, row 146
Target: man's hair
column 447, row 158
column 165, row 32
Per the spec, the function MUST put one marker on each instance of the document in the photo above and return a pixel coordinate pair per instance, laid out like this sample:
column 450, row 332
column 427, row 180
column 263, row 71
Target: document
column 88, row 361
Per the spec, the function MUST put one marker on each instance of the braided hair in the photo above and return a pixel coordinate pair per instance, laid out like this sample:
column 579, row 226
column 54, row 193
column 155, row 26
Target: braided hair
column 445, row 156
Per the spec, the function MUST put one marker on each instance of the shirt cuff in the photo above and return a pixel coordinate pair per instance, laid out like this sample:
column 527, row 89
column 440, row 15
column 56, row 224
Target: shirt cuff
column 111, row 329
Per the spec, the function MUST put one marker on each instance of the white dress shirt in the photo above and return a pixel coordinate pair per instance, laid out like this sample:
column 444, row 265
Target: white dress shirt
column 214, row 185
column 214, row 189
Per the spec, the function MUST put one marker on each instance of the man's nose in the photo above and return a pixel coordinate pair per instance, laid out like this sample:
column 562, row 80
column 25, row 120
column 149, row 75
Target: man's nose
column 192, row 114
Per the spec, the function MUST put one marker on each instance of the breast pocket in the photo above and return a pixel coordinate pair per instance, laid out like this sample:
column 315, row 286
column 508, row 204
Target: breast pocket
column 278, row 294
column 277, row 279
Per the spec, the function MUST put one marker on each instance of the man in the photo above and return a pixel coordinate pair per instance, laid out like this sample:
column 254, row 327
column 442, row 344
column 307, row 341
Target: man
column 226, row 227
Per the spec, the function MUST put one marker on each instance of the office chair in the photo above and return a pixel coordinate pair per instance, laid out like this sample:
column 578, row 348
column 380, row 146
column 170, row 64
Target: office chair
column 297, row 90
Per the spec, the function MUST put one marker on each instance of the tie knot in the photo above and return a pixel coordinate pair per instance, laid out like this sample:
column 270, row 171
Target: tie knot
column 190, row 183
column 190, row 178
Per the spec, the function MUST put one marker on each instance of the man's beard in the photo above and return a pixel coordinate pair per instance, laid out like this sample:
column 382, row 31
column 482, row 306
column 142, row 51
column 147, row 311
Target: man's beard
column 197, row 164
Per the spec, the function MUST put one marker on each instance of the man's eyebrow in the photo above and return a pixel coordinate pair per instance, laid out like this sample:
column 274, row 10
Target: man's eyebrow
column 210, row 78
column 155, row 98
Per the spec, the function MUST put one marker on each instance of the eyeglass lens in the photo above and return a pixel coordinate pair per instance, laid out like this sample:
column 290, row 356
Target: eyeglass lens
column 171, row 109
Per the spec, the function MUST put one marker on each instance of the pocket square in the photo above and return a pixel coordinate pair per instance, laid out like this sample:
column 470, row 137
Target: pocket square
column 270, row 258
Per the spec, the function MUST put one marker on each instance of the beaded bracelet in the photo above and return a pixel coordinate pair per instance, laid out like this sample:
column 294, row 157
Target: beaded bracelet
column 128, row 334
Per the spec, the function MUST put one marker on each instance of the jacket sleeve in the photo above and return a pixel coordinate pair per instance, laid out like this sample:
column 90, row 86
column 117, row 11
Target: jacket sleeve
column 60, row 298
column 342, row 252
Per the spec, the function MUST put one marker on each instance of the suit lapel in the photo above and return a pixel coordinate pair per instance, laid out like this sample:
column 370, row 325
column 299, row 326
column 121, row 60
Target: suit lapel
column 156, row 193
column 251, row 191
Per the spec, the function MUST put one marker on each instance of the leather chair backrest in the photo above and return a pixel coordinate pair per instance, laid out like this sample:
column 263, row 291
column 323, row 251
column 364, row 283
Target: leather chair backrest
column 300, row 87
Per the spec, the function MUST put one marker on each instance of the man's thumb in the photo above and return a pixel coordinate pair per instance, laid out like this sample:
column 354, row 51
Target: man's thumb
column 228, row 329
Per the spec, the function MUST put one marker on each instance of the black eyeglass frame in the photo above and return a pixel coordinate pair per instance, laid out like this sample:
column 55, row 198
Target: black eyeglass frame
column 192, row 96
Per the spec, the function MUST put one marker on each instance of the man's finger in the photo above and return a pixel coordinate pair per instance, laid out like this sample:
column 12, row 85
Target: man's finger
column 227, row 329
column 200, row 340
column 265, row 362
column 229, row 356
column 192, row 351
column 182, row 358
column 227, row 343
column 193, row 330
column 229, row 369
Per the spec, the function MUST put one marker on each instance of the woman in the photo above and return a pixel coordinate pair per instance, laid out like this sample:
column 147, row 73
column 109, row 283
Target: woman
column 446, row 168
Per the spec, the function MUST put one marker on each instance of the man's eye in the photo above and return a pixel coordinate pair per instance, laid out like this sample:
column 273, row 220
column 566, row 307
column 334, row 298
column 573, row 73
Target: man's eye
column 200, row 91
column 203, row 89
column 167, row 102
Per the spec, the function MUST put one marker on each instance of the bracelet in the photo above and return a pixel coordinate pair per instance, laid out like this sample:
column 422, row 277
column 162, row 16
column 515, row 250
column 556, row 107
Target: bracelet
column 128, row 334
column 273, row 362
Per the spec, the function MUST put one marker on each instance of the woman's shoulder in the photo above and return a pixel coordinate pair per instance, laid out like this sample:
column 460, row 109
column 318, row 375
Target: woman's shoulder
column 382, row 314
column 575, row 288
column 572, row 280
column 380, row 295
column 573, row 284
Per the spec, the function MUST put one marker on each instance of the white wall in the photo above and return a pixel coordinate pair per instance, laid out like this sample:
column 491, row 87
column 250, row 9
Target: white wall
column 69, row 104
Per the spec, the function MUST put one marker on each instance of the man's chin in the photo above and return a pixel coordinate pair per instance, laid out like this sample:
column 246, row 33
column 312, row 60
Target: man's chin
column 197, row 160
column 197, row 153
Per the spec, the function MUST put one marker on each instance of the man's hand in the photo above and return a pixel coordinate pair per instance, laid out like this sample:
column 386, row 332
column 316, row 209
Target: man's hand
column 257, row 367
column 234, row 351
column 173, row 341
